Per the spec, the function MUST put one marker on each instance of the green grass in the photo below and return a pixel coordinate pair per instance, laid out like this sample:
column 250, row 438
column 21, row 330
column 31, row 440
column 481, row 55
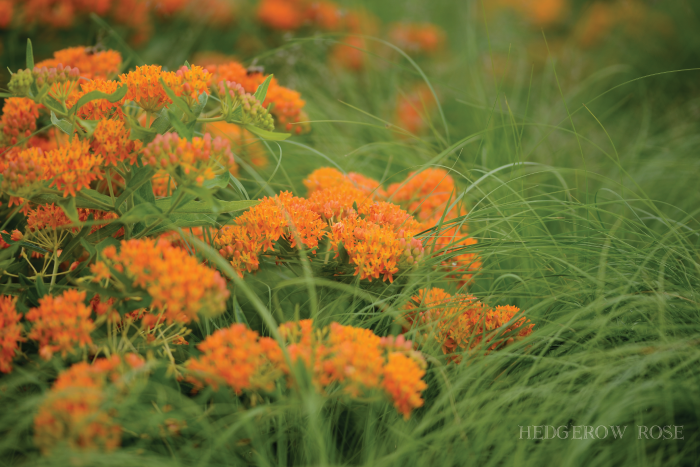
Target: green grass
column 581, row 179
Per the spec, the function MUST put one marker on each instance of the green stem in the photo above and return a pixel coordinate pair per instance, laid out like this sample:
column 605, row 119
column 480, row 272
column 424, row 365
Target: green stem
column 55, row 271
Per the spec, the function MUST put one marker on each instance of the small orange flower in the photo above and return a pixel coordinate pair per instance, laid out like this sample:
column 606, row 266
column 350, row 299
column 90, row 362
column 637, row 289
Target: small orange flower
column 193, row 82
column 328, row 177
column 60, row 324
column 10, row 332
column 111, row 142
column 425, row 193
column 179, row 285
column 18, row 119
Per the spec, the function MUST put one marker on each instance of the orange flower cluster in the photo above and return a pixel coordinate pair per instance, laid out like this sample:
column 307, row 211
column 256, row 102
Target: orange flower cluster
column 354, row 358
column 111, row 143
column 10, row 332
column 237, row 357
column 200, row 159
column 60, row 324
column 243, row 143
column 144, row 86
column 461, row 322
column 193, row 82
column 413, row 109
column 286, row 104
column 77, row 410
column 257, row 230
column 289, row 15
column 327, row 177
column 427, row 194
column 93, row 64
column 425, row 38
column 539, row 13
column 180, row 287
column 71, row 167
column 18, row 120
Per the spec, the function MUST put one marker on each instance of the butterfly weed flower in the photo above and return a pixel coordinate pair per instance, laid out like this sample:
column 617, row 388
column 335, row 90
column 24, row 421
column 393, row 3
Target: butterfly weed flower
column 236, row 357
column 72, row 167
column 111, row 142
column 328, row 177
column 93, row 64
column 193, row 82
column 61, row 81
column 79, row 410
column 10, row 332
column 423, row 38
column 283, row 15
column 145, row 89
column 61, row 324
column 194, row 161
column 337, row 203
column 179, row 285
column 18, row 119
column 403, row 381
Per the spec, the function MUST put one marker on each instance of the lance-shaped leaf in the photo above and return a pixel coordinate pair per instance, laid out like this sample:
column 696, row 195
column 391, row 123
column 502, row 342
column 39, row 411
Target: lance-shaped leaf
column 268, row 135
column 30, row 55
column 139, row 177
column 103, row 202
column 62, row 124
column 94, row 95
column 199, row 207
column 261, row 92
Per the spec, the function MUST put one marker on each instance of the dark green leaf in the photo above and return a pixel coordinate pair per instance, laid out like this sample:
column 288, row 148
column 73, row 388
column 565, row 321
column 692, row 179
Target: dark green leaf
column 161, row 124
column 178, row 101
column 145, row 135
column 94, row 95
column 79, row 202
column 261, row 92
column 140, row 213
column 104, row 232
column 68, row 206
column 41, row 289
column 30, row 55
column 75, row 241
column 201, row 103
column 139, row 176
column 268, row 135
column 63, row 125
column 180, row 127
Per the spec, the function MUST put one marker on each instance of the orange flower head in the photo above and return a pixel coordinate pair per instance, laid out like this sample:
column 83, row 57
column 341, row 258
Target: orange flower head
column 111, row 142
column 403, row 381
column 47, row 217
column 236, row 73
column 78, row 412
column 200, row 159
column 350, row 54
column 7, row 10
column 287, row 107
column 22, row 171
column 18, row 119
column 337, row 203
column 426, row 193
column 284, row 15
column 61, row 324
column 326, row 15
column 145, row 88
column 243, row 143
column 180, row 286
column 93, row 64
column 72, row 167
column 422, row 38
column 193, row 82
column 237, row 357
column 10, row 332
column 328, row 177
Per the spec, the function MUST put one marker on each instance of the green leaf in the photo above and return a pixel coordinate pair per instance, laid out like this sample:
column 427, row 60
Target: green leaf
column 33, row 247
column 161, row 124
column 180, row 127
column 41, row 289
column 68, row 206
column 201, row 103
column 198, row 207
column 184, row 221
column 94, row 95
column 219, row 181
column 145, row 135
column 178, row 101
column 139, row 176
column 261, row 92
column 51, row 103
column 75, row 241
column 235, row 182
column 268, row 135
column 140, row 212
column 4, row 95
column 46, row 198
column 89, row 247
column 63, row 125
column 30, row 55
column 104, row 232
column 89, row 125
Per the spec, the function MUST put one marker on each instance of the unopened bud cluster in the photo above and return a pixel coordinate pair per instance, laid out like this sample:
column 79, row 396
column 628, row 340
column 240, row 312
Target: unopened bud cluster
column 234, row 96
column 59, row 74
column 414, row 250
column 20, row 83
